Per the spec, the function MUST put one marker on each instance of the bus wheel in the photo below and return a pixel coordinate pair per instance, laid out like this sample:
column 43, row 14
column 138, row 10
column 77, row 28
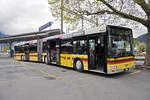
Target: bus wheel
column 46, row 60
column 79, row 65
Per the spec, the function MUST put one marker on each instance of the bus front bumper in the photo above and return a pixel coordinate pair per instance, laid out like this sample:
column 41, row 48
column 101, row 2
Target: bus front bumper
column 113, row 71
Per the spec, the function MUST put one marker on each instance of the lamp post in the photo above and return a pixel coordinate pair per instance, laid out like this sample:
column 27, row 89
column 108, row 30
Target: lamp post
column 82, row 22
column 62, row 5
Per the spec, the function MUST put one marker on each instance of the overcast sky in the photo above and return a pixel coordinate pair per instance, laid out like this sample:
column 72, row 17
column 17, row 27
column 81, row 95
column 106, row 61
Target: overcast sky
column 22, row 16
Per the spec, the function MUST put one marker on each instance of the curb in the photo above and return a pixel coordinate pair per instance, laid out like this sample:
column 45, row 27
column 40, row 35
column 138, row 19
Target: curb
column 142, row 66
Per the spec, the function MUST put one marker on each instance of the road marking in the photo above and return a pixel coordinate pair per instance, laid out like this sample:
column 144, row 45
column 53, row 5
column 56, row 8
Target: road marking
column 78, row 79
column 58, row 78
column 26, row 65
column 137, row 71
column 47, row 74
column 2, row 81
column 29, row 66
column 81, row 86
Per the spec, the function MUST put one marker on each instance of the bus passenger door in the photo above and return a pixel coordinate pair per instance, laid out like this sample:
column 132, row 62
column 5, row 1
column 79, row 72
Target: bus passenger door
column 58, row 52
column 54, row 52
column 27, row 53
column 91, row 55
column 39, row 49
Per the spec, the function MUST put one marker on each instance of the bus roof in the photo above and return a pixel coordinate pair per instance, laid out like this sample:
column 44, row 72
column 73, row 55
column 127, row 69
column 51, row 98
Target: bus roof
column 25, row 42
column 95, row 30
column 76, row 34
column 21, row 43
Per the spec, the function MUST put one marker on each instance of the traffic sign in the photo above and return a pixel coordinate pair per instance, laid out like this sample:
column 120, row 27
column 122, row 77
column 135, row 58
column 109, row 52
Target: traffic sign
column 45, row 26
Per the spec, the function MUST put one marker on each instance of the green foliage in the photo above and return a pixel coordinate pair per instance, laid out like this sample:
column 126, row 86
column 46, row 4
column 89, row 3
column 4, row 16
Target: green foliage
column 51, row 2
column 73, row 11
column 135, row 42
column 142, row 47
column 68, row 10
column 137, row 1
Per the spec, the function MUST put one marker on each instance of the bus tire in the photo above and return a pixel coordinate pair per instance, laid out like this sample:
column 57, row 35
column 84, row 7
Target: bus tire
column 78, row 65
column 46, row 60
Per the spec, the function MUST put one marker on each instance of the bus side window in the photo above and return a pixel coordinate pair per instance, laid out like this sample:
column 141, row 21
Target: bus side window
column 45, row 48
column 66, row 47
column 83, row 45
column 75, row 47
column 33, row 48
column 101, row 40
column 79, row 47
column 18, row 49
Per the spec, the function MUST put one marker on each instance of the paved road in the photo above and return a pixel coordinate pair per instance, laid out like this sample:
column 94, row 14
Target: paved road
column 37, row 81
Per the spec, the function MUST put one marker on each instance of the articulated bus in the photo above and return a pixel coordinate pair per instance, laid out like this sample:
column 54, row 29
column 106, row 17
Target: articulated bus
column 107, row 51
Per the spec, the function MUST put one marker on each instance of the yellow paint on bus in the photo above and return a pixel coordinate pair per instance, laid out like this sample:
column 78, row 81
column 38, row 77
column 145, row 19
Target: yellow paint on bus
column 18, row 56
column 68, row 60
column 33, row 57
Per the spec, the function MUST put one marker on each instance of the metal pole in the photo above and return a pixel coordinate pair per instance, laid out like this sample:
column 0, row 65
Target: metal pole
column 62, row 16
column 11, row 50
column 82, row 22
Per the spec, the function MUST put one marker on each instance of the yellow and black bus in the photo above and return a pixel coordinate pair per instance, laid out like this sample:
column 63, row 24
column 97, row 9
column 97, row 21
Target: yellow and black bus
column 108, row 51
column 34, row 50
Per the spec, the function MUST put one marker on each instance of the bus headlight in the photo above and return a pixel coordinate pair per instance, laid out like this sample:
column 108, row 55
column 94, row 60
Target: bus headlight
column 114, row 67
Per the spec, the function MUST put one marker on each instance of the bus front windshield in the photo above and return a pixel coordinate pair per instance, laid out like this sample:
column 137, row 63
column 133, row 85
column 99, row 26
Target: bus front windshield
column 120, row 45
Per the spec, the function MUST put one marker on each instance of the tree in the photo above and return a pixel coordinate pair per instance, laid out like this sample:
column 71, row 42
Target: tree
column 113, row 9
column 142, row 47
column 121, row 11
column 73, row 12
column 70, row 11
column 135, row 42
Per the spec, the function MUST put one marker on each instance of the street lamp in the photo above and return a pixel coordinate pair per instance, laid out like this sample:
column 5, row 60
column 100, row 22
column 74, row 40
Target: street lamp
column 62, row 5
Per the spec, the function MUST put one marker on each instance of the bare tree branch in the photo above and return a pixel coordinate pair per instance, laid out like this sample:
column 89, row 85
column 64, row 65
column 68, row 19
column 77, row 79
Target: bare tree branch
column 78, row 13
column 119, row 13
column 143, row 5
column 122, row 2
column 99, row 12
